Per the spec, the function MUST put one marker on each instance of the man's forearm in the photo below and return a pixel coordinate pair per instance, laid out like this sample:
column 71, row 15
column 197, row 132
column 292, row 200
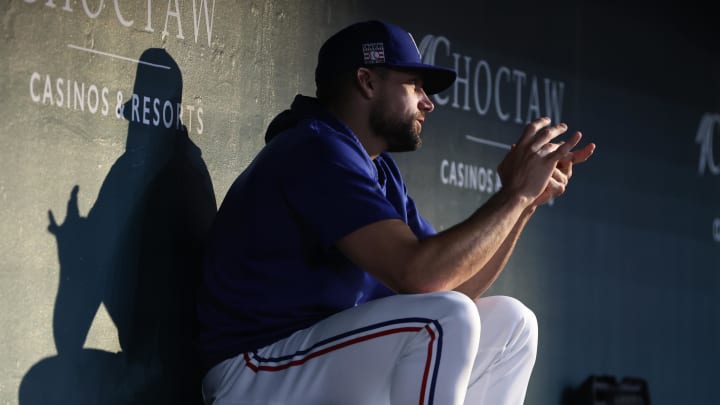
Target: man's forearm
column 486, row 276
column 482, row 241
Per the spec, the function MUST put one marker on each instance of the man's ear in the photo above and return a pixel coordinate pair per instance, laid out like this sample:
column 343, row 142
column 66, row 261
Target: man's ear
column 365, row 81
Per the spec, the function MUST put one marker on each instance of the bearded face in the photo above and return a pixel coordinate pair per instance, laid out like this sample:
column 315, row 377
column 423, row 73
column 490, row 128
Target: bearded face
column 400, row 131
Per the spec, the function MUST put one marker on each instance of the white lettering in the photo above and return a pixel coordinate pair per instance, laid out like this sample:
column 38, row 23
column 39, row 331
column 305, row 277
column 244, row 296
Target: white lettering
column 503, row 71
column 201, row 125
column 51, row 4
column 146, row 110
column 203, row 14
column 106, row 107
column 709, row 127
column 553, row 100
column 156, row 111
column 485, row 179
column 59, row 99
column 75, row 95
column 197, row 18
column 496, row 86
column 90, row 13
column 488, row 94
column 471, row 177
column 79, row 96
column 119, row 15
column 176, row 14
column 167, row 117
column 462, row 81
column 135, row 116
column 443, row 166
column 63, row 92
column 47, row 91
column 33, row 78
column 533, row 102
column 93, row 106
column 119, row 106
column 178, row 119
column 67, row 88
column 519, row 77
column 190, row 109
column 149, row 27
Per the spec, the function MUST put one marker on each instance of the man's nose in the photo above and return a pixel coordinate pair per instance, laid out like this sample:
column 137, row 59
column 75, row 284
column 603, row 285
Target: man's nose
column 425, row 104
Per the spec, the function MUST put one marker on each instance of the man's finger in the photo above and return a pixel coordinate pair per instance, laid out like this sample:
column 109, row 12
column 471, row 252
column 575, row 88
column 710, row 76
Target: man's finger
column 560, row 176
column 582, row 155
column 548, row 134
column 566, row 166
column 531, row 129
column 555, row 187
column 564, row 151
column 548, row 148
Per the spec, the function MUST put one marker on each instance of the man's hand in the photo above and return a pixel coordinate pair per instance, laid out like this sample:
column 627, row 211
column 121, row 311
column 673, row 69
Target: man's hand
column 538, row 169
column 563, row 172
column 529, row 168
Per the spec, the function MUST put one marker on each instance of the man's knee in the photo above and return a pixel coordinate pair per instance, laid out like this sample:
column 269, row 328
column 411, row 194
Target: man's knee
column 515, row 309
column 456, row 308
column 518, row 317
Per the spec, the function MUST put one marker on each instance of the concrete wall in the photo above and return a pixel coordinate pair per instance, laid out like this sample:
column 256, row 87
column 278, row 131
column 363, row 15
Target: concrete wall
column 103, row 211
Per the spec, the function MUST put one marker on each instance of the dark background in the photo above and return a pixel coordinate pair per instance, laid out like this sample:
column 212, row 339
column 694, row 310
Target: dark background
column 623, row 271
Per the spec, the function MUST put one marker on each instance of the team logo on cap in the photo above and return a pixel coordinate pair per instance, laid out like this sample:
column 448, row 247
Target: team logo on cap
column 374, row 53
column 416, row 47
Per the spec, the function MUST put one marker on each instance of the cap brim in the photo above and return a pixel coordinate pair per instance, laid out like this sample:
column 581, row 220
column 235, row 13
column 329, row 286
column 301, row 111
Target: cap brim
column 435, row 78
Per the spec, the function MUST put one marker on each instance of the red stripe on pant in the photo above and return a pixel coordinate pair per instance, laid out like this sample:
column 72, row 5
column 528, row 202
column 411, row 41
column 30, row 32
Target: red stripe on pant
column 428, row 361
column 300, row 361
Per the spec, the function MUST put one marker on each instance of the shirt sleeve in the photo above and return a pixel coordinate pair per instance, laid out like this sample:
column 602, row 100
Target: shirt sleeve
column 396, row 188
column 333, row 188
column 420, row 226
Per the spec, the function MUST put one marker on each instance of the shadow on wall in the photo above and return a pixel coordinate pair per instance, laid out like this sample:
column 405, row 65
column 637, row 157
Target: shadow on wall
column 138, row 252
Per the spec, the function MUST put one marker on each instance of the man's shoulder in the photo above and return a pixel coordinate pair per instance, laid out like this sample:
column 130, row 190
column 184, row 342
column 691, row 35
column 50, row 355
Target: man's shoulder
column 314, row 137
column 386, row 162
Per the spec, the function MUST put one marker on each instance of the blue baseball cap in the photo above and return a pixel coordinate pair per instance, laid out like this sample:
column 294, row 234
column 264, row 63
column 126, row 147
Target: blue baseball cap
column 377, row 43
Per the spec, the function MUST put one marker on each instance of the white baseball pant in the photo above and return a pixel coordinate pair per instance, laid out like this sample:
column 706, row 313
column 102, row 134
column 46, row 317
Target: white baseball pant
column 403, row 349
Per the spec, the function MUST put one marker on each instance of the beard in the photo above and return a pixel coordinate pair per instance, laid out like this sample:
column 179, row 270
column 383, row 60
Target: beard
column 400, row 133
